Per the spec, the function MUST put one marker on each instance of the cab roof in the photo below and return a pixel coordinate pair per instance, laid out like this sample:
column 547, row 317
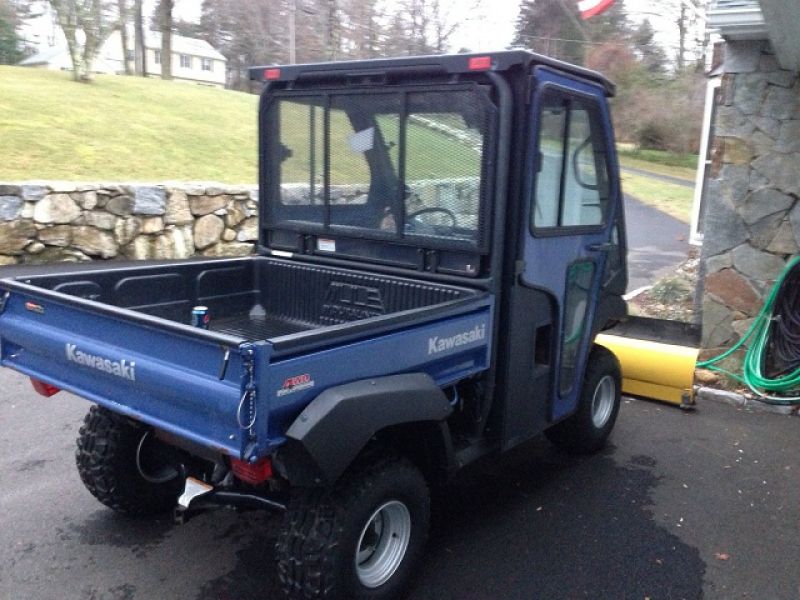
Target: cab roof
column 446, row 64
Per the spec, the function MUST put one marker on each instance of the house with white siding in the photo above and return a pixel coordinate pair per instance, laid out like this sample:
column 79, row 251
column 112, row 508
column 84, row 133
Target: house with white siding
column 193, row 60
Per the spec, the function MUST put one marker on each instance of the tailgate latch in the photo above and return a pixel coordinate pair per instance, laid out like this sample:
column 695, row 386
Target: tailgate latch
column 246, row 412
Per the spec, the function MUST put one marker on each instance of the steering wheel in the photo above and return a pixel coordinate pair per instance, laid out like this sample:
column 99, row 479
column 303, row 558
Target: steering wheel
column 431, row 210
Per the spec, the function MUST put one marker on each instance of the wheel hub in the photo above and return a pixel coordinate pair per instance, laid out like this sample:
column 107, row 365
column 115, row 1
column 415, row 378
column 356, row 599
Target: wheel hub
column 383, row 543
column 603, row 401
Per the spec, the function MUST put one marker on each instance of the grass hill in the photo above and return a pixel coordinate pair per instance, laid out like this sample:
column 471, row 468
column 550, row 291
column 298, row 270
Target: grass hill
column 135, row 129
column 123, row 129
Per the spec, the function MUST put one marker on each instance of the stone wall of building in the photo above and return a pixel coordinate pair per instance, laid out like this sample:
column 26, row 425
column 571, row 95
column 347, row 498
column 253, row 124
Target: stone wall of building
column 752, row 221
column 50, row 221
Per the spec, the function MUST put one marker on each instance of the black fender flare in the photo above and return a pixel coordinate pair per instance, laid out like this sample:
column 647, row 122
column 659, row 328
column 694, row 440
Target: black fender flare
column 336, row 426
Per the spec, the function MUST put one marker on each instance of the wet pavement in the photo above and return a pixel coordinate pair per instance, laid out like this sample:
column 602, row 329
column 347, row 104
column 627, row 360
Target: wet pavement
column 681, row 505
column 657, row 243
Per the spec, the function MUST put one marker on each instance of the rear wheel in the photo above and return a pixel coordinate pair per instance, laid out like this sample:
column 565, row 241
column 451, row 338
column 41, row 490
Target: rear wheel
column 588, row 429
column 125, row 467
column 360, row 539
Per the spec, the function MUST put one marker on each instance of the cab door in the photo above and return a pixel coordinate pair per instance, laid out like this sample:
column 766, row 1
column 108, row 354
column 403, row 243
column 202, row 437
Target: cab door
column 571, row 236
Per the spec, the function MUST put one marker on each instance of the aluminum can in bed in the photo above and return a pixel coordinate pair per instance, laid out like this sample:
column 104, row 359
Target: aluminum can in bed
column 200, row 317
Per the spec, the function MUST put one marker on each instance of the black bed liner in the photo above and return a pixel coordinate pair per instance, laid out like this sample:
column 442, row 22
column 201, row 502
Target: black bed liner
column 253, row 298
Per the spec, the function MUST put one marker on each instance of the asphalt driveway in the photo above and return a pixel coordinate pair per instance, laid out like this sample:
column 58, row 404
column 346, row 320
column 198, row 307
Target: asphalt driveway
column 657, row 243
column 681, row 505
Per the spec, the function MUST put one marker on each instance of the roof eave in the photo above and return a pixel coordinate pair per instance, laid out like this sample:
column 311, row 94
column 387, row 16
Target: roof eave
column 738, row 23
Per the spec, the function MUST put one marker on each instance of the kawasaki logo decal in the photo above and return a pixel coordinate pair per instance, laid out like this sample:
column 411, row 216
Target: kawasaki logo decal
column 438, row 344
column 120, row 368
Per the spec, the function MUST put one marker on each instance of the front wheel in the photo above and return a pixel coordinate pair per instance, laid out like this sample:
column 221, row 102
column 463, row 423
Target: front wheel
column 588, row 429
column 361, row 539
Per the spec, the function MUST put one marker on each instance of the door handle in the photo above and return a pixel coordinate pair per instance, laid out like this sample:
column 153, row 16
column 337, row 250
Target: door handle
column 601, row 247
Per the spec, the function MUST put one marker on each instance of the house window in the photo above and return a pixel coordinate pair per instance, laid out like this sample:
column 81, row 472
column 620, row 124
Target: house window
column 157, row 57
column 207, row 64
column 186, row 61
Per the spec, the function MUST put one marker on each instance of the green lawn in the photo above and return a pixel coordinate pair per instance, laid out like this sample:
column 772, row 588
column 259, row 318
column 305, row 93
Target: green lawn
column 673, row 199
column 123, row 128
column 662, row 157
column 134, row 129
column 674, row 171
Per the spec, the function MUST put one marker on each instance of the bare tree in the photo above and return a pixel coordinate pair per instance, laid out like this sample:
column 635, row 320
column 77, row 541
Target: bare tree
column 251, row 32
column 122, row 9
column 682, row 29
column 165, row 8
column 333, row 30
column 444, row 25
column 140, row 48
column 85, row 25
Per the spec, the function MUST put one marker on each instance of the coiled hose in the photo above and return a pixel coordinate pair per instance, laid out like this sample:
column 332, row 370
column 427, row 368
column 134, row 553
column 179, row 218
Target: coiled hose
column 775, row 341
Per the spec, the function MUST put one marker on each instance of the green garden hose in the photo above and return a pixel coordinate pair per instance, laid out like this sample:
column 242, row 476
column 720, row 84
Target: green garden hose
column 787, row 383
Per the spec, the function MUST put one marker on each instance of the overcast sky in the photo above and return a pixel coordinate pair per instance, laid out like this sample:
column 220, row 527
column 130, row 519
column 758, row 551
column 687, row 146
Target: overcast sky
column 490, row 27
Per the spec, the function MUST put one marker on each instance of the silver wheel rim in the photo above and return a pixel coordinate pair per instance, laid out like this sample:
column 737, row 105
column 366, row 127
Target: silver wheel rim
column 603, row 401
column 383, row 543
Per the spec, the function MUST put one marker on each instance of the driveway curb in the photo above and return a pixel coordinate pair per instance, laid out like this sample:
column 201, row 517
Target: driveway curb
column 744, row 401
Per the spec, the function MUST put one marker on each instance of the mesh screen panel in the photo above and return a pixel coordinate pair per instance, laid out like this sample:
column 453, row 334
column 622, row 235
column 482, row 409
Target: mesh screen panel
column 398, row 165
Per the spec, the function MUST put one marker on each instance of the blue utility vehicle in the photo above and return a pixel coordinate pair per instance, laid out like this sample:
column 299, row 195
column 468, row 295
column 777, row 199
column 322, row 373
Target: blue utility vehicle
column 441, row 238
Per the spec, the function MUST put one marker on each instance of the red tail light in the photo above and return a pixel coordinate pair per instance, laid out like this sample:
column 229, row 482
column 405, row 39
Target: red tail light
column 45, row 389
column 254, row 473
column 480, row 63
column 272, row 74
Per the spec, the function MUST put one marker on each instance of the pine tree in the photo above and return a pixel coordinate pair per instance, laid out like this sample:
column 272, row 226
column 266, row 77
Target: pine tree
column 10, row 42
column 551, row 27
column 650, row 53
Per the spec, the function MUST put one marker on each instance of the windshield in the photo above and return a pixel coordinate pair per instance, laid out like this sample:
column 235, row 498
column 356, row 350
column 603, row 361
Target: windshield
column 403, row 165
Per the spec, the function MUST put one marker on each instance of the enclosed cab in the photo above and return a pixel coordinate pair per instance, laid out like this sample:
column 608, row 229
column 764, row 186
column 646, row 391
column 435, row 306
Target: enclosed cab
column 441, row 239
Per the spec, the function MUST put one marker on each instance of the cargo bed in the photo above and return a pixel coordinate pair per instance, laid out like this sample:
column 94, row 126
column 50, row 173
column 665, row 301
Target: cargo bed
column 250, row 299
column 120, row 335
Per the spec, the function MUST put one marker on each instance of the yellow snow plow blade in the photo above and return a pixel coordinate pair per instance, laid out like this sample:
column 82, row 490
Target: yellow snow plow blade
column 653, row 365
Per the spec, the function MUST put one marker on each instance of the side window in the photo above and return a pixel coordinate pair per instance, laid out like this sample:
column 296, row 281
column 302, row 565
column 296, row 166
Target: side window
column 552, row 135
column 571, row 187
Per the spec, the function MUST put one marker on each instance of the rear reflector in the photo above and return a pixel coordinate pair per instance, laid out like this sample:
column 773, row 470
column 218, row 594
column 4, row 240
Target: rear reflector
column 272, row 74
column 45, row 389
column 252, row 473
column 480, row 63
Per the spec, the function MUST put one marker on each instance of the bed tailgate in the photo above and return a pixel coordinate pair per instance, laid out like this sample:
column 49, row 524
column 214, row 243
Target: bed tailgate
column 185, row 383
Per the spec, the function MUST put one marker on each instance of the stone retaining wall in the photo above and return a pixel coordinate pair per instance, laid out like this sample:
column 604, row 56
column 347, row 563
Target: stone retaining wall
column 50, row 221
column 752, row 223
